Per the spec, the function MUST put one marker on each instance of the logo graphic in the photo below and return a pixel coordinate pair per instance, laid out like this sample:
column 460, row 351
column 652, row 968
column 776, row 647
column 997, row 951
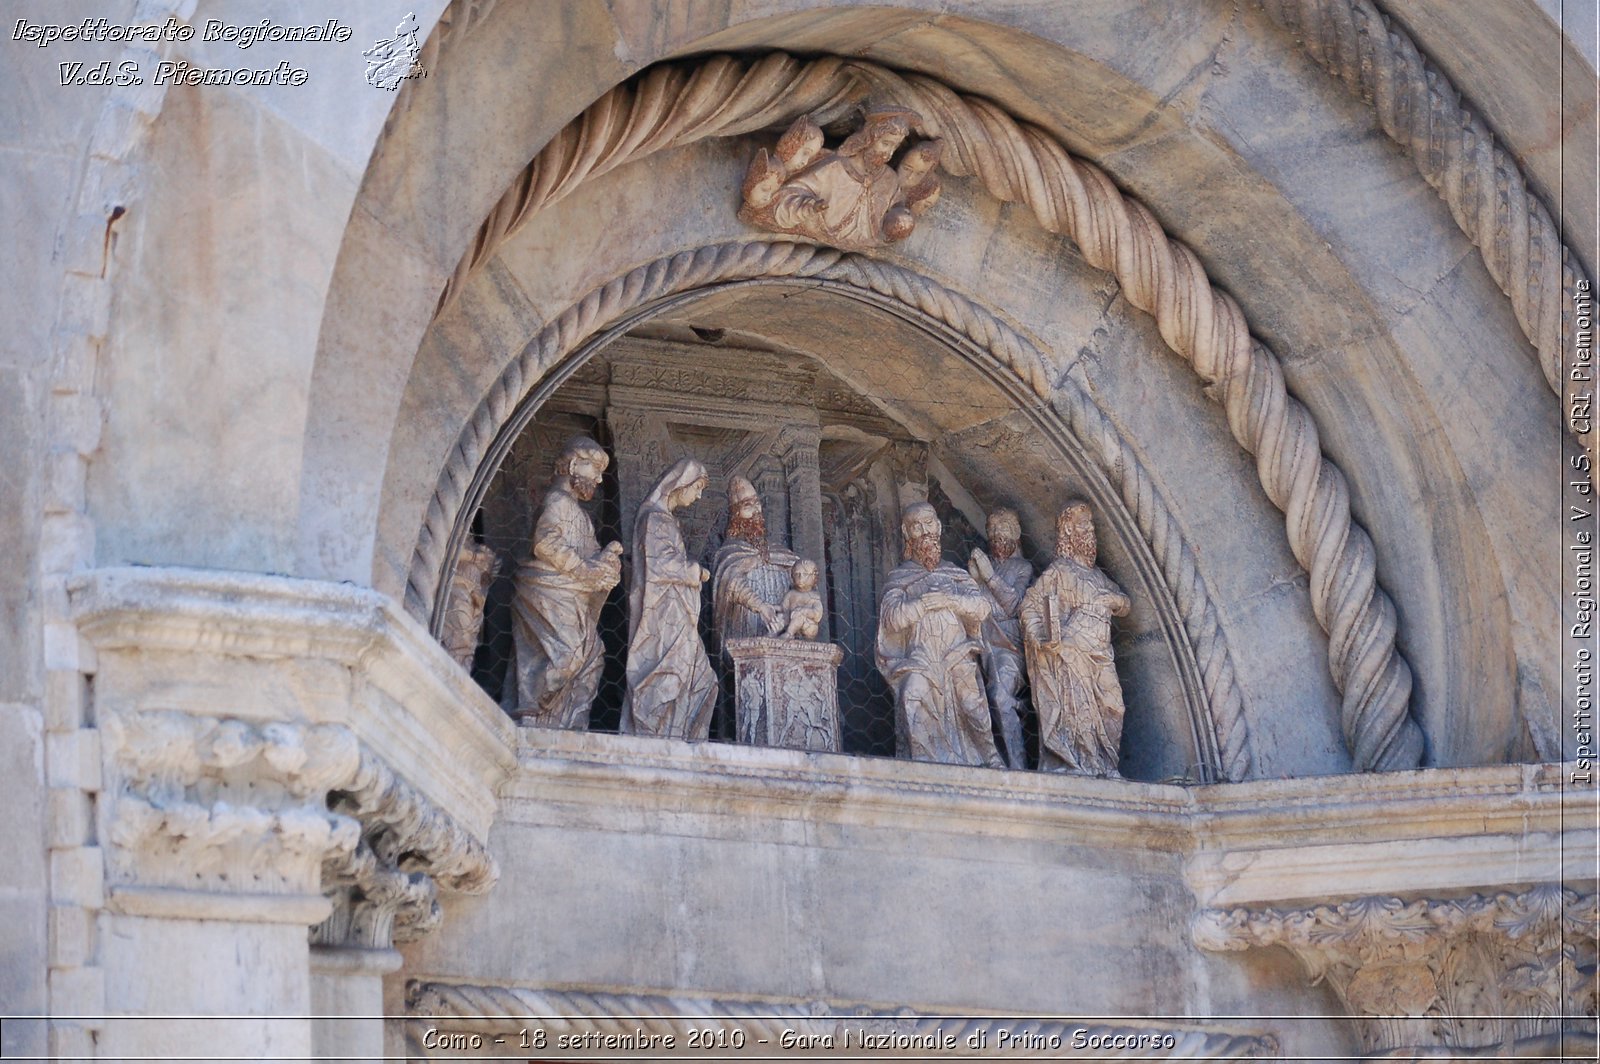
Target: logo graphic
column 395, row 60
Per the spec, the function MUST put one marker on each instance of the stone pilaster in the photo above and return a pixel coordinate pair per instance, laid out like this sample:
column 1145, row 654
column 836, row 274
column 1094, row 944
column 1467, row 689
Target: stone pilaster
column 1425, row 976
column 274, row 756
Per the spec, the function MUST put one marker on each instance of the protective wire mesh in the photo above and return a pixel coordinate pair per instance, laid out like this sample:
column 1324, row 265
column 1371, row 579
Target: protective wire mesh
column 861, row 543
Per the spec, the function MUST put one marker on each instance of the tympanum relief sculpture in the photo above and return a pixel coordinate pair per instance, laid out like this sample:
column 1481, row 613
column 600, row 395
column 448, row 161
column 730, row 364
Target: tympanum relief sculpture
column 1005, row 578
column 959, row 648
column 559, row 592
column 930, row 639
column 671, row 688
column 849, row 197
column 1066, row 624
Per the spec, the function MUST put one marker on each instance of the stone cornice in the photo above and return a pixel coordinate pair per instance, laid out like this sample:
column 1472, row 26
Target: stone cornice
column 1265, row 840
column 412, row 703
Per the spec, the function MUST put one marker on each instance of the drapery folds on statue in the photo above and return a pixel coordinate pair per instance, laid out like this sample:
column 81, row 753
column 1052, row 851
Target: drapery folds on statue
column 559, row 592
column 930, row 639
column 671, row 688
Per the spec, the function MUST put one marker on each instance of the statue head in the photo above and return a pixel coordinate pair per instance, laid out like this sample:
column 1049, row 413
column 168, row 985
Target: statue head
column 920, row 527
column 880, row 135
column 1075, row 534
column 582, row 463
column 804, row 574
column 746, row 520
column 1005, row 533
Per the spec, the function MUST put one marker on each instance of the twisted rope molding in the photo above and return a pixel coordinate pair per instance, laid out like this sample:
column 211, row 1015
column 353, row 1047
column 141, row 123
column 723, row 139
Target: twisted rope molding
column 675, row 105
column 1225, row 740
column 565, row 1012
column 1457, row 153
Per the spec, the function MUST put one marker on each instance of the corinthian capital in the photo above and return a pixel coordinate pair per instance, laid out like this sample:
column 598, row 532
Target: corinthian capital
column 1481, row 971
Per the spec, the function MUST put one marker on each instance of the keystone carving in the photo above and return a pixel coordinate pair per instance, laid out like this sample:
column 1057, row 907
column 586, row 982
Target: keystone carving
column 1507, row 969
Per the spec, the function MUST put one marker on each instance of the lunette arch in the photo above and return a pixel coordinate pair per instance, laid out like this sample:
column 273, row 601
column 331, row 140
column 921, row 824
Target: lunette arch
column 676, row 104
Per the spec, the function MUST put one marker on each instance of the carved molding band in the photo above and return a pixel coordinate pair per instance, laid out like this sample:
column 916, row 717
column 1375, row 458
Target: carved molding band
column 670, row 106
column 1225, row 731
column 813, row 1027
column 1456, row 153
column 1479, row 971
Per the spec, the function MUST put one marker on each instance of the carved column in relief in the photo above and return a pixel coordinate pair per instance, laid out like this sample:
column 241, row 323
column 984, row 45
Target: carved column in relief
column 1483, row 975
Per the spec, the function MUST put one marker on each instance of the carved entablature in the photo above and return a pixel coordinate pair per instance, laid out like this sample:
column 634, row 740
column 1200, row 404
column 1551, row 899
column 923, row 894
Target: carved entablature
column 218, row 804
column 1504, row 969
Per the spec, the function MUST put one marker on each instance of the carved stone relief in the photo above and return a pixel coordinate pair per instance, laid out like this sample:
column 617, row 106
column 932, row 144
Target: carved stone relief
column 475, row 570
column 560, row 589
column 1066, row 623
column 671, row 688
column 850, row 196
column 930, row 626
column 787, row 692
column 1484, row 971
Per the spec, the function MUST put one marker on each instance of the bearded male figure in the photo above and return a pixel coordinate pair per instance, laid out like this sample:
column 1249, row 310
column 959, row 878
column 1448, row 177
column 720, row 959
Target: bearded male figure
column 751, row 576
column 930, row 627
column 559, row 592
column 1005, row 577
column 1066, row 621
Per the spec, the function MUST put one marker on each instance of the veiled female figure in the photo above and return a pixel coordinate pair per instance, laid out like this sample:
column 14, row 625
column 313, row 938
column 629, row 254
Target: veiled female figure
column 671, row 688
column 1066, row 624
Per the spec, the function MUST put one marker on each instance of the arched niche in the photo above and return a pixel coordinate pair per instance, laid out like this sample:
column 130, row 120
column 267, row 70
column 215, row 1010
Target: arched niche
column 899, row 408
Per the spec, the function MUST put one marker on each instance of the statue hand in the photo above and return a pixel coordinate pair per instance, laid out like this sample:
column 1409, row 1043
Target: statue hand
column 981, row 568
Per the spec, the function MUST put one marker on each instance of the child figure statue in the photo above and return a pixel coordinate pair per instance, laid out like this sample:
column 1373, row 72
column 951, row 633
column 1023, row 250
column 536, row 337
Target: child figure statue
column 802, row 605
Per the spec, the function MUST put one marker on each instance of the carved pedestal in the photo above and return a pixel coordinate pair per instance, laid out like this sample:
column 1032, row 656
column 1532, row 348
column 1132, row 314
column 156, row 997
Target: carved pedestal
column 787, row 692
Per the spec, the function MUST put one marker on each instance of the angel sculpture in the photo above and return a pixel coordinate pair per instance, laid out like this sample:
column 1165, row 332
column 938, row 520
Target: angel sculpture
column 850, row 197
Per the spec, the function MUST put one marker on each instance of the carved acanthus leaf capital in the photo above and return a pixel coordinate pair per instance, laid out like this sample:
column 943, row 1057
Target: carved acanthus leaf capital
column 1464, row 972
column 222, row 804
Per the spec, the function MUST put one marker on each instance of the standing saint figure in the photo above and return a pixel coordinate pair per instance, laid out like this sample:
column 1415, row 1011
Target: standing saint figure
column 930, row 627
column 1005, row 577
column 752, row 576
column 1066, row 623
column 671, row 689
column 559, row 592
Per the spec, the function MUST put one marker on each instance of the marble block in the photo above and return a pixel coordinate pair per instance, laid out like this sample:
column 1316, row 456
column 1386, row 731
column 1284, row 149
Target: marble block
column 787, row 692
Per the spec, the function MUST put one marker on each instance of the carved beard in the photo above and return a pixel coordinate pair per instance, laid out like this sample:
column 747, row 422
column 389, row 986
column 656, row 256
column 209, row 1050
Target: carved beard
column 925, row 551
column 752, row 529
column 1002, row 549
column 583, row 488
